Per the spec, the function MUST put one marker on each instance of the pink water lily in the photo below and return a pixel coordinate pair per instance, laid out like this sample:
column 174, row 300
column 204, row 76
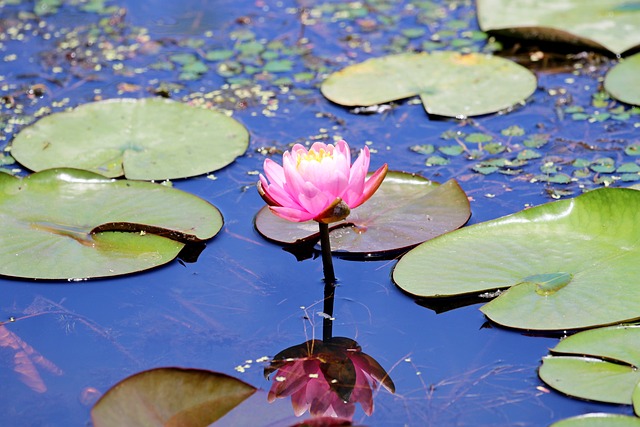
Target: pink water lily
column 319, row 183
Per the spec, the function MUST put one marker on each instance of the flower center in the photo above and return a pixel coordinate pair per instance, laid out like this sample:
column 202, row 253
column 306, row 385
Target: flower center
column 316, row 156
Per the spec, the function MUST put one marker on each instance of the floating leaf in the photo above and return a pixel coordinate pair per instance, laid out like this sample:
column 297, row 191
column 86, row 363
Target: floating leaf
column 623, row 80
column 591, row 242
column 599, row 420
column 605, row 24
column 69, row 224
column 406, row 210
column 599, row 364
column 151, row 139
column 449, row 83
column 170, row 397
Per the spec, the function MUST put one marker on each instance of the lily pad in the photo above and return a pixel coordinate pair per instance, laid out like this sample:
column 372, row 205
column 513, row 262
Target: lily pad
column 599, row 420
column 623, row 81
column 170, row 397
column 449, row 83
column 148, row 139
column 600, row 364
column 72, row 224
column 406, row 210
column 568, row 264
column 606, row 24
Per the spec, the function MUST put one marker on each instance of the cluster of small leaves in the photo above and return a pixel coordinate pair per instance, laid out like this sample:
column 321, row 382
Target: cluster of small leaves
column 386, row 26
column 47, row 7
column 602, row 108
column 532, row 158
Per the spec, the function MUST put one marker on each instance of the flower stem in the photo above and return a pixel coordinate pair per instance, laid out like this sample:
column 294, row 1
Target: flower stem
column 327, row 261
column 329, row 282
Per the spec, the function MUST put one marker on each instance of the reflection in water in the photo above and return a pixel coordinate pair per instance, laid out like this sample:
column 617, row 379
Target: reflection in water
column 327, row 378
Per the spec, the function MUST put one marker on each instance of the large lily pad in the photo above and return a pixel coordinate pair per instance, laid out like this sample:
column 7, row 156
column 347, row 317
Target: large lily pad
column 609, row 24
column 623, row 81
column 406, row 210
column 569, row 264
column 599, row 420
column 449, row 83
column 170, row 397
column 71, row 224
column 150, row 139
column 600, row 364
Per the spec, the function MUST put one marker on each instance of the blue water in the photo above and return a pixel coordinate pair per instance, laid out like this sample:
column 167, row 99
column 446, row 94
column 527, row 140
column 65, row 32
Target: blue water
column 246, row 298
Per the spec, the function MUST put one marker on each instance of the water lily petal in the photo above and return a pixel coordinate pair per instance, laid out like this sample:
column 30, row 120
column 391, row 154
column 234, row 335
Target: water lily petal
column 372, row 184
column 291, row 214
column 274, row 172
column 357, row 177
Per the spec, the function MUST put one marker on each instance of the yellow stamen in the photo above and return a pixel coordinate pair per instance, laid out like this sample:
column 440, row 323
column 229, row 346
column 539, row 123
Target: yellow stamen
column 313, row 155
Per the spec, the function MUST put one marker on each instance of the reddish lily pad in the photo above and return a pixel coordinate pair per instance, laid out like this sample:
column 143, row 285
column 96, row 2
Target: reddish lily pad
column 149, row 139
column 170, row 397
column 449, row 83
column 72, row 224
column 608, row 24
column 406, row 210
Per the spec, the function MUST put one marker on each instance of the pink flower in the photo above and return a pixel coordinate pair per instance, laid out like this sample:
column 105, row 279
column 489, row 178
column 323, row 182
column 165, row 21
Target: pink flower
column 327, row 378
column 319, row 184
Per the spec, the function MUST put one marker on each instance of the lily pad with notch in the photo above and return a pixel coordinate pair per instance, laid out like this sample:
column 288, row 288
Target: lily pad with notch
column 599, row 364
column 406, row 210
column 170, row 397
column 448, row 83
column 566, row 265
column 613, row 25
column 145, row 139
column 73, row 224
column 599, row 419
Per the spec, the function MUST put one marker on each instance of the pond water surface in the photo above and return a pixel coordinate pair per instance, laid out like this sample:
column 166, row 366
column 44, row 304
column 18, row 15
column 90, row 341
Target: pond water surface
column 245, row 298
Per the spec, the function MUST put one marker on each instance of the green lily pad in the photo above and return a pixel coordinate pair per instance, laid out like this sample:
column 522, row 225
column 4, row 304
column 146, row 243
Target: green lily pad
column 406, row 210
column 635, row 399
column 73, row 224
column 599, row 364
column 599, row 420
column 568, row 264
column 166, row 397
column 449, row 83
column 604, row 24
column 623, row 81
column 149, row 139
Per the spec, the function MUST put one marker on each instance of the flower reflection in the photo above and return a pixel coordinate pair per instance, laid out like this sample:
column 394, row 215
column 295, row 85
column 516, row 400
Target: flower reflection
column 327, row 378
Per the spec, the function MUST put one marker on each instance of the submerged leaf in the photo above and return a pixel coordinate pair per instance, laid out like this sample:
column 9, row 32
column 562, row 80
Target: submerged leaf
column 170, row 397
